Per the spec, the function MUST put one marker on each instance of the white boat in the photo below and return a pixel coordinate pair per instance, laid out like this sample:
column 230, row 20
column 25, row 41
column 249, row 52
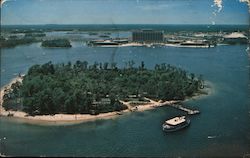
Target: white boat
column 175, row 124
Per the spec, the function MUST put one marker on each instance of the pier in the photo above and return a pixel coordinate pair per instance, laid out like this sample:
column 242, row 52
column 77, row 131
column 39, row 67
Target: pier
column 153, row 104
column 189, row 111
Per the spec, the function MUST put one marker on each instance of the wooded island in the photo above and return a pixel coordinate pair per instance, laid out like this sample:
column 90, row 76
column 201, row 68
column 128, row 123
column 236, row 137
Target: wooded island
column 81, row 88
column 56, row 43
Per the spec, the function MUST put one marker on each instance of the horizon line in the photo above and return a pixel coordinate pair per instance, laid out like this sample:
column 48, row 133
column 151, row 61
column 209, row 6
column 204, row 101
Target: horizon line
column 118, row 24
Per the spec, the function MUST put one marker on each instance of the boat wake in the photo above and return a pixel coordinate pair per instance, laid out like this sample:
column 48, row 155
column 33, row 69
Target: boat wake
column 211, row 137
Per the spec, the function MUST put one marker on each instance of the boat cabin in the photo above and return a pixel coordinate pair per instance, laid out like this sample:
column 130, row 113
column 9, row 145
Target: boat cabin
column 176, row 121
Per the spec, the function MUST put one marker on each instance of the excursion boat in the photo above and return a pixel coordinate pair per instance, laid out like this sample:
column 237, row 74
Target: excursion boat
column 175, row 124
column 199, row 43
column 110, row 42
column 102, row 43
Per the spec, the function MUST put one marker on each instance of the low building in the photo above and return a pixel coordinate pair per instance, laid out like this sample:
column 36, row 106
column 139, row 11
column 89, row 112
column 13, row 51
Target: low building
column 103, row 101
column 235, row 38
column 147, row 36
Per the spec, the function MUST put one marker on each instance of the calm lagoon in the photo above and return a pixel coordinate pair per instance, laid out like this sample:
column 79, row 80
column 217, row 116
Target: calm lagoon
column 222, row 128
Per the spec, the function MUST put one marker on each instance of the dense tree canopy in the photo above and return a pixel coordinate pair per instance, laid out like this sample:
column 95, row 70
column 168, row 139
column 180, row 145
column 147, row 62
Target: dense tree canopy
column 56, row 43
column 13, row 41
column 82, row 88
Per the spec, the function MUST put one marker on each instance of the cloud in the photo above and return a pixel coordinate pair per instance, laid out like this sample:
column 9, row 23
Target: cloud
column 218, row 3
column 245, row 1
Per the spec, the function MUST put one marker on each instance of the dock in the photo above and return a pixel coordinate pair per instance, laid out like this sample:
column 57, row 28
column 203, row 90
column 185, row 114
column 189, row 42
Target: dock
column 189, row 111
column 154, row 104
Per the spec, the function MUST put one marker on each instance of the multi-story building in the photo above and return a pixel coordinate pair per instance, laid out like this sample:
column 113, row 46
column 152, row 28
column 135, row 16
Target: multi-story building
column 147, row 36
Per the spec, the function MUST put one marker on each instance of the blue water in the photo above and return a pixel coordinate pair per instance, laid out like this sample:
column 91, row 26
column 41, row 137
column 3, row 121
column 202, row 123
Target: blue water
column 225, row 114
column 129, row 27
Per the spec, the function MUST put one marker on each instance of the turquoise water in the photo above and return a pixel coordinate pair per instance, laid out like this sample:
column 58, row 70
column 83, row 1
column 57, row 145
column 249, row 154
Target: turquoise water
column 224, row 114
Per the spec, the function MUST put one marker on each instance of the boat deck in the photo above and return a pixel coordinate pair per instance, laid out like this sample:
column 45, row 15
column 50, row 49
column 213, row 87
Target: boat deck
column 175, row 121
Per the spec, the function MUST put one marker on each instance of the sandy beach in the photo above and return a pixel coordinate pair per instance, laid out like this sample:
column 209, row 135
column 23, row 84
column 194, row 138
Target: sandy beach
column 73, row 118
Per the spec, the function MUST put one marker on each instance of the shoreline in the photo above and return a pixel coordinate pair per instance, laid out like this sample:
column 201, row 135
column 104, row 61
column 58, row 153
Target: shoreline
column 62, row 119
column 206, row 91
column 153, row 45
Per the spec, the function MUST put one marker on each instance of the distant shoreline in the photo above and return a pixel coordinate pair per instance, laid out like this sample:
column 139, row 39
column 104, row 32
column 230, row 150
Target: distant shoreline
column 133, row 44
column 62, row 119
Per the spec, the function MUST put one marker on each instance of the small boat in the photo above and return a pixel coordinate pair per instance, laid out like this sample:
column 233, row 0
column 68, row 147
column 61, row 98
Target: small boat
column 211, row 137
column 175, row 124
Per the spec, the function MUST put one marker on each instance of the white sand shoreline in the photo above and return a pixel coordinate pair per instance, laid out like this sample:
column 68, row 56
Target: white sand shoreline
column 72, row 118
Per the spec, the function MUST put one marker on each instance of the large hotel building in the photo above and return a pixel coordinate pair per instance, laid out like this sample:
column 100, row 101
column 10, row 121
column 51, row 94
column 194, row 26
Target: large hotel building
column 147, row 36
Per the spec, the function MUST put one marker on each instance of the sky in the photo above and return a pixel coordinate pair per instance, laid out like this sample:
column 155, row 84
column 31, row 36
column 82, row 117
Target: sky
column 26, row 12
